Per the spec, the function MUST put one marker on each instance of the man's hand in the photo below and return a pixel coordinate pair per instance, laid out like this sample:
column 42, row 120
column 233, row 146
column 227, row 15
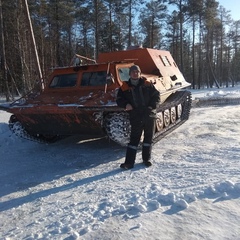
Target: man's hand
column 128, row 107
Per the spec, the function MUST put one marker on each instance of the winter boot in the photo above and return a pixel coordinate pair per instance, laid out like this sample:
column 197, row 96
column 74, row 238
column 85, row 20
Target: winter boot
column 130, row 157
column 146, row 154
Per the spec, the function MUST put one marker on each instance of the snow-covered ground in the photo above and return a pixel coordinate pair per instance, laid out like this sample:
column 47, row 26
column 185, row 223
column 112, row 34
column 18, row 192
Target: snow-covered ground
column 74, row 189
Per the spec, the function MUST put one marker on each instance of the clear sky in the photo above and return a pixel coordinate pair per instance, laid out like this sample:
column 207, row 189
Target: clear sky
column 233, row 6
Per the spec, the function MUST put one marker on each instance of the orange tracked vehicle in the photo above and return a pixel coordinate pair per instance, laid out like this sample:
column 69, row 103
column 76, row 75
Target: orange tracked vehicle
column 81, row 99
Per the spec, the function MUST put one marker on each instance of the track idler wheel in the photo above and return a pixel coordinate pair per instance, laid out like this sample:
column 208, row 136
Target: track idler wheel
column 159, row 121
column 166, row 117
column 173, row 115
column 179, row 110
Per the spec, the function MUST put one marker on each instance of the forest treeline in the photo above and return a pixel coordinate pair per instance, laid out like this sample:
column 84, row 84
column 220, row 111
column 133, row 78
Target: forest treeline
column 201, row 35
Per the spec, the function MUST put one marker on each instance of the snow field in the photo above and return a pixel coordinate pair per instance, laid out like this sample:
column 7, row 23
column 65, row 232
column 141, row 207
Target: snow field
column 74, row 189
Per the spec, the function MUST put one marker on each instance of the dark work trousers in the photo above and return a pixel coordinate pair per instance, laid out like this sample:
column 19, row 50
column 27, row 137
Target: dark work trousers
column 138, row 126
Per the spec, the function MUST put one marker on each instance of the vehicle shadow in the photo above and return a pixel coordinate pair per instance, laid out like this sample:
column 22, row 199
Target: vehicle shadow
column 15, row 202
column 27, row 164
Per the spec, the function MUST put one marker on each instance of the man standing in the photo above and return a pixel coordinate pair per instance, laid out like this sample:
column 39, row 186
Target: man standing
column 139, row 98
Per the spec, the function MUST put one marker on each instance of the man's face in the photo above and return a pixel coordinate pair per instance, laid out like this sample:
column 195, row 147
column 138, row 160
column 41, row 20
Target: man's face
column 135, row 74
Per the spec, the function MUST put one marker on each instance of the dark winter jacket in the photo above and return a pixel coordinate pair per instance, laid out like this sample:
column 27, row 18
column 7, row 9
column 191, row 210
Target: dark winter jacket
column 144, row 97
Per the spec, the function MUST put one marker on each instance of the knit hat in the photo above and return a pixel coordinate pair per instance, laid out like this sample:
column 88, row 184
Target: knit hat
column 133, row 68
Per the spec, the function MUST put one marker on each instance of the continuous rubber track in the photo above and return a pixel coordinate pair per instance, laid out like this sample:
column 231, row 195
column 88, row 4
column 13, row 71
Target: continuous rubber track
column 118, row 127
column 183, row 98
column 17, row 128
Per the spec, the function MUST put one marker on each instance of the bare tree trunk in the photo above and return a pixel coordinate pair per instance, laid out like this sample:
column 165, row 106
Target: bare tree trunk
column 96, row 29
column 181, row 37
column 130, row 24
column 152, row 33
column 200, row 62
column 5, row 75
column 193, row 55
column 110, row 26
column 29, row 24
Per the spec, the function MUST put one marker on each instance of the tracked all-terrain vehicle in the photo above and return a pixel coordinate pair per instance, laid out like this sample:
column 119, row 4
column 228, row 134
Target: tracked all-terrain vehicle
column 81, row 99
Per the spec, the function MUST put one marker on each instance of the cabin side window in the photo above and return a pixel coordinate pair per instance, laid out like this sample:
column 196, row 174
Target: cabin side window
column 65, row 80
column 94, row 78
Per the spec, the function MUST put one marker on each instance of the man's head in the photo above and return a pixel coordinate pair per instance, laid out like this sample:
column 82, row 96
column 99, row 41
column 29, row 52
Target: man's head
column 134, row 72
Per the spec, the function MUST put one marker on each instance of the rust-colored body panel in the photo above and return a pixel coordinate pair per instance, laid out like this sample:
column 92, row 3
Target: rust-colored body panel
column 151, row 61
